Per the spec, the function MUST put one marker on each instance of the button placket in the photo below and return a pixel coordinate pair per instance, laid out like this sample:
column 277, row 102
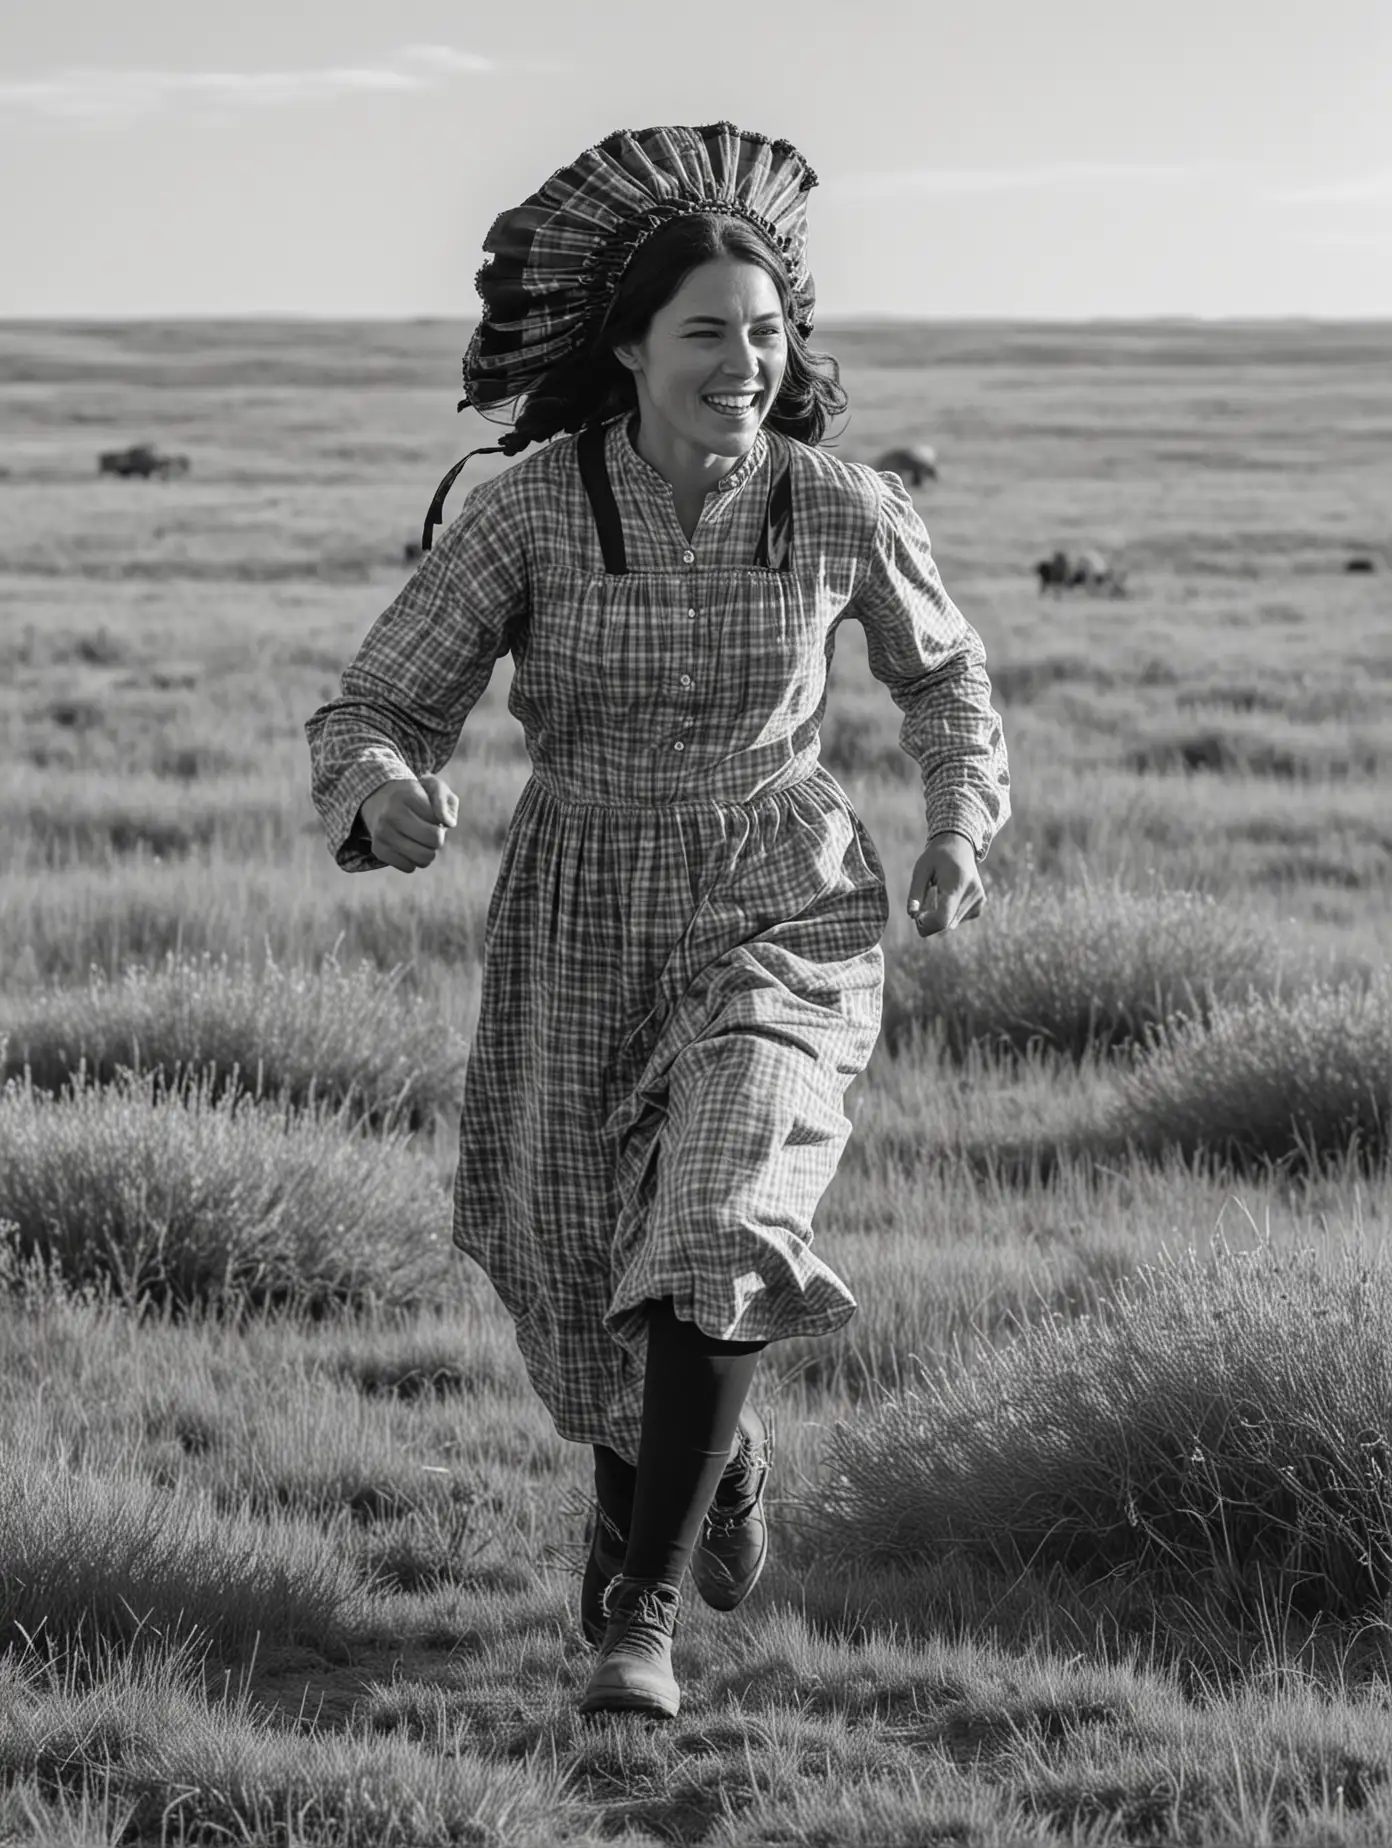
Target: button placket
column 685, row 681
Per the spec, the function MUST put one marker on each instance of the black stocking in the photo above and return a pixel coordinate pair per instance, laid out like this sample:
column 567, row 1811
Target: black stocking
column 614, row 1483
column 694, row 1387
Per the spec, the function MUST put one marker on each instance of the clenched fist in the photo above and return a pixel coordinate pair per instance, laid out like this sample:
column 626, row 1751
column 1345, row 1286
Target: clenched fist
column 946, row 888
column 407, row 820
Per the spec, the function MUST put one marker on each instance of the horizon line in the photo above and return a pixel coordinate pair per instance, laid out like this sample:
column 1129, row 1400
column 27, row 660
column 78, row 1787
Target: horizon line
column 847, row 318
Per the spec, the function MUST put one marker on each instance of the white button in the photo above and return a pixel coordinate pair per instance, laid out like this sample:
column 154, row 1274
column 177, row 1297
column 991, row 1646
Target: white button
column 688, row 558
column 691, row 612
column 686, row 680
column 679, row 746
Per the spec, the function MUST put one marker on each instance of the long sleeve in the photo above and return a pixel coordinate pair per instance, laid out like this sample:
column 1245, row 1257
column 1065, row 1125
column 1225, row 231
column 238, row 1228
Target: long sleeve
column 421, row 668
column 932, row 661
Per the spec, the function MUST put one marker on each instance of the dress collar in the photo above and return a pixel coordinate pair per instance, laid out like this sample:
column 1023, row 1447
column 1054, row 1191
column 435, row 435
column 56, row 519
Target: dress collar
column 622, row 451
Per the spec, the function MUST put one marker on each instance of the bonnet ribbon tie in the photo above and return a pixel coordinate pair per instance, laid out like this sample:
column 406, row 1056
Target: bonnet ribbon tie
column 435, row 513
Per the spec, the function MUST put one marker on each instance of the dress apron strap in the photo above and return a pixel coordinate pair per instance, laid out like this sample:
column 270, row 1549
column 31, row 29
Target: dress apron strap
column 773, row 552
column 589, row 451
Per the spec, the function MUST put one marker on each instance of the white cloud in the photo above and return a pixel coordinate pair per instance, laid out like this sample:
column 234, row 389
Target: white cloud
column 951, row 181
column 107, row 97
column 444, row 58
column 1359, row 189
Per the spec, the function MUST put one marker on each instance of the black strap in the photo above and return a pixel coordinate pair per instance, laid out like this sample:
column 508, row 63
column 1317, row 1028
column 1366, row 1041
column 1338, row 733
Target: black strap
column 589, row 450
column 435, row 514
column 774, row 551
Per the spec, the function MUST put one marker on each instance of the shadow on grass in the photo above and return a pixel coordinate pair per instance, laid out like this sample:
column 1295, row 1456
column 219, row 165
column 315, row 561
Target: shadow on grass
column 1039, row 1161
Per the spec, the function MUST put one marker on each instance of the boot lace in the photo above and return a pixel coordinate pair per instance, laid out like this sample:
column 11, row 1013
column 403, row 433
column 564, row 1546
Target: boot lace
column 650, row 1615
column 738, row 1492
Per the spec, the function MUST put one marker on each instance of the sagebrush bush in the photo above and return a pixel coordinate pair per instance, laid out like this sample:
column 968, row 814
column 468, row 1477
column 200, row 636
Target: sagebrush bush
column 1223, row 1429
column 1299, row 1080
column 1078, row 969
column 180, row 1195
column 354, row 1036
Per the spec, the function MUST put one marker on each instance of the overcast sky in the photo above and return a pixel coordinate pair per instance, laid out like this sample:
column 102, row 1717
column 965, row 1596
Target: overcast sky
column 1022, row 158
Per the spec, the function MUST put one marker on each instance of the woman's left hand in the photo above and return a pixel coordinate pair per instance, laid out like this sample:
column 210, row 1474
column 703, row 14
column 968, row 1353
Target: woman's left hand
column 946, row 888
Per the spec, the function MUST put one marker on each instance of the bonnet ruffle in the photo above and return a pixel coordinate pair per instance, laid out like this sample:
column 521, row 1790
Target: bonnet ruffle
column 556, row 259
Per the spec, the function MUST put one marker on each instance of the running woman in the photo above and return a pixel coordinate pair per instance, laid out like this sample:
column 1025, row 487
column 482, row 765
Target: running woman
column 682, row 970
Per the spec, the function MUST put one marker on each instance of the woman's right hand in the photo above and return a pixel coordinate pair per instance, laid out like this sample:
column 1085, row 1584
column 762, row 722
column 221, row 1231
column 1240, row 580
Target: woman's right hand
column 407, row 820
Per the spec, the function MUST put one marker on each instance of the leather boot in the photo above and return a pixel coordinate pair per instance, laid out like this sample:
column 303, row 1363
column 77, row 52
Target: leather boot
column 605, row 1562
column 634, row 1670
column 733, row 1543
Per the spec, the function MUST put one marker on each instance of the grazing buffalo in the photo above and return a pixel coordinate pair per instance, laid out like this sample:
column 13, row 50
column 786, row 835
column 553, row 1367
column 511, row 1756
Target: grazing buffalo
column 1087, row 571
column 911, row 462
column 1361, row 563
column 412, row 552
column 141, row 459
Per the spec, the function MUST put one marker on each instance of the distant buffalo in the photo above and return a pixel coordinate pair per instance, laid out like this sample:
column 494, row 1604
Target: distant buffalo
column 1087, row 571
column 1361, row 563
column 412, row 552
column 913, row 462
column 142, row 459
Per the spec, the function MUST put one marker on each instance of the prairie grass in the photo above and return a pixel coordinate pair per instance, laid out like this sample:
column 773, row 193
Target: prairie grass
column 235, row 1343
column 146, row 1743
column 350, row 1037
column 973, row 1192
column 91, row 1817
column 97, row 1557
column 1304, row 1078
column 1219, row 1431
column 923, row 1694
column 187, row 1193
column 1083, row 968
column 59, row 928
column 57, row 817
column 1261, row 746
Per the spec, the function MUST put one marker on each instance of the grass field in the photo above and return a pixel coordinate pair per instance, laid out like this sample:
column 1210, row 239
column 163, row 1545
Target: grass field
column 1082, row 1527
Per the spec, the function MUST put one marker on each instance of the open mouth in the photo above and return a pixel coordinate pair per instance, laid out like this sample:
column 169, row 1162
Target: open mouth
column 735, row 406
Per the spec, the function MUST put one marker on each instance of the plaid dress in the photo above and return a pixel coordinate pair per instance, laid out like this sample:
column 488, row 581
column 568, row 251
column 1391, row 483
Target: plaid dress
column 682, row 970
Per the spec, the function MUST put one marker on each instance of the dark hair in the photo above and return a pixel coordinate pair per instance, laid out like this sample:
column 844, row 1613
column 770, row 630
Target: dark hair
column 596, row 386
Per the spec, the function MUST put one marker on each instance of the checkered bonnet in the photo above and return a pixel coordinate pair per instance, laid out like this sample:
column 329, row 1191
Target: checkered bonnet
column 557, row 259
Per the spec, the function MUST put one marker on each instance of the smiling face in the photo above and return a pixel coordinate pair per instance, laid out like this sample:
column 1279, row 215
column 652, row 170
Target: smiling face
column 708, row 369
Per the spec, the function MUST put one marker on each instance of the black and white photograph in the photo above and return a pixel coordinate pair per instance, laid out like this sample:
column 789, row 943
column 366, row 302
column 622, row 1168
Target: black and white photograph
column 696, row 925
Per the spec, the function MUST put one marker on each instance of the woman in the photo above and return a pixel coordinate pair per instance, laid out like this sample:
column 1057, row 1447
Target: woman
column 682, row 969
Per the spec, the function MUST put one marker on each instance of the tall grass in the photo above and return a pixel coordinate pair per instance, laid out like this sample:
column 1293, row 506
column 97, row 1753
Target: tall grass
column 354, row 1036
column 185, row 1195
column 97, row 1556
column 145, row 1743
column 1304, row 1079
column 998, row 1192
column 407, row 1444
column 56, row 817
column 1222, row 1431
column 58, row 927
column 1078, row 969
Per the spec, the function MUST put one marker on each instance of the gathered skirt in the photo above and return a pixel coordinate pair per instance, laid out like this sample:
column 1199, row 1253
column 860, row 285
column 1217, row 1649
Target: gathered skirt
column 675, row 998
